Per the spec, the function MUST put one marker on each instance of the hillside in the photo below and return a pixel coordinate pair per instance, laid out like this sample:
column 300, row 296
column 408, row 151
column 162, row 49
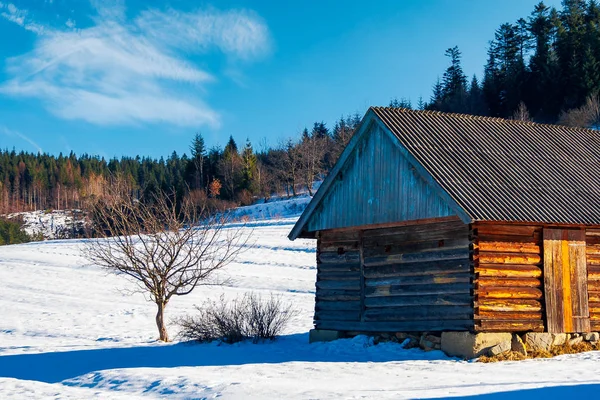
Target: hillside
column 69, row 331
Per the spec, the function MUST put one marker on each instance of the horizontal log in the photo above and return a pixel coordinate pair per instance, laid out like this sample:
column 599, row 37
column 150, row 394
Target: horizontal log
column 338, row 275
column 460, row 277
column 484, row 281
column 344, row 284
column 402, row 238
column 414, row 247
column 508, row 258
column 593, row 260
column 507, row 271
column 399, row 290
column 337, row 315
column 339, row 267
column 500, row 229
column 595, row 326
column 464, row 299
column 339, row 236
column 337, row 305
column 331, row 257
column 508, row 293
column 592, row 232
column 406, row 326
column 508, row 305
column 337, row 246
column 509, row 326
column 418, row 313
column 594, row 296
column 594, row 308
column 418, row 268
column 594, row 317
column 593, row 275
column 592, row 250
column 507, row 247
column 593, row 286
column 337, row 295
column 504, row 315
column 425, row 256
column 536, row 239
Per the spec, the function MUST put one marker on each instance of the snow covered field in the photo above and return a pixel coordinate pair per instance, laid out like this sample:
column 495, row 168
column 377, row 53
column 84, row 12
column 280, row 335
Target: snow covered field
column 67, row 331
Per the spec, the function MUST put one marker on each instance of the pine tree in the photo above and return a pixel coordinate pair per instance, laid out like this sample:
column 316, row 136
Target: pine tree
column 249, row 163
column 454, row 83
column 198, row 152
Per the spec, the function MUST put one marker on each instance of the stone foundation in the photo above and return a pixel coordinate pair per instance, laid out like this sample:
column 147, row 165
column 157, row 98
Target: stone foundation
column 467, row 345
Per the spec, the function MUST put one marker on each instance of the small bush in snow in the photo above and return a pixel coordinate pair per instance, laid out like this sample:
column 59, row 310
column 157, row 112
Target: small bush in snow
column 248, row 317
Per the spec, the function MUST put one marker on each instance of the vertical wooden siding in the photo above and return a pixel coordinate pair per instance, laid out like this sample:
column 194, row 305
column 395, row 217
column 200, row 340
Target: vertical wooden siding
column 508, row 278
column 376, row 185
column 413, row 278
column 593, row 271
column 565, row 281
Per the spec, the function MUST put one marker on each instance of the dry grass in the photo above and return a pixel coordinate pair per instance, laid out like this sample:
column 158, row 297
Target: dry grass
column 555, row 351
column 508, row 356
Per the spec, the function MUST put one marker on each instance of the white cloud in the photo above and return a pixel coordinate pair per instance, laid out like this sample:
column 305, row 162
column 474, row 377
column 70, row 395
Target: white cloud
column 20, row 17
column 120, row 72
column 9, row 132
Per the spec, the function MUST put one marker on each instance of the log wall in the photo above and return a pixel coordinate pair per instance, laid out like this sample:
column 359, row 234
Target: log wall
column 508, row 286
column 593, row 270
column 414, row 278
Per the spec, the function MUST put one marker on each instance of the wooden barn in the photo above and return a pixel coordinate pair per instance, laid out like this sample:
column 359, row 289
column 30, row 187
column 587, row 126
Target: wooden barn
column 434, row 222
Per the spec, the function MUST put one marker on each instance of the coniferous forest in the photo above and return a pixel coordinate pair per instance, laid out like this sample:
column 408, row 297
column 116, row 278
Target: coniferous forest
column 545, row 67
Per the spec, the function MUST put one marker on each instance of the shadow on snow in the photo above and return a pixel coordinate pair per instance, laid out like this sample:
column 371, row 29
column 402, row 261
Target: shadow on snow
column 55, row 367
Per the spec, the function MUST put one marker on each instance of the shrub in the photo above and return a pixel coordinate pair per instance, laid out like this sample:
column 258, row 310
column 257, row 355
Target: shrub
column 11, row 232
column 247, row 318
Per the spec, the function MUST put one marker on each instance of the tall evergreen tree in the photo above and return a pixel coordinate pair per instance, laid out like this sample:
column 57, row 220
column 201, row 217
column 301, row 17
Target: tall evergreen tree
column 198, row 153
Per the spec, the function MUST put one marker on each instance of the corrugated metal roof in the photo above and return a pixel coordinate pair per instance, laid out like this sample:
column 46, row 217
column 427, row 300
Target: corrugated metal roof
column 505, row 170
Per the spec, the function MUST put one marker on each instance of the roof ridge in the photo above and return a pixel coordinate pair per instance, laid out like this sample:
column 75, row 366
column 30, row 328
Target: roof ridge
column 482, row 118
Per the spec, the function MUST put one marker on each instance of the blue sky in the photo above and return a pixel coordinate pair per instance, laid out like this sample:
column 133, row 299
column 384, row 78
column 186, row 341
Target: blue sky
column 132, row 77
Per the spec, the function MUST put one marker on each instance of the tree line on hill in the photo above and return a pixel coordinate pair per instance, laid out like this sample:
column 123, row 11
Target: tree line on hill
column 226, row 177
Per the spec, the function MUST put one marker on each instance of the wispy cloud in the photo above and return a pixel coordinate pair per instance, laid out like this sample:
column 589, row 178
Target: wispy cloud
column 20, row 17
column 9, row 132
column 130, row 72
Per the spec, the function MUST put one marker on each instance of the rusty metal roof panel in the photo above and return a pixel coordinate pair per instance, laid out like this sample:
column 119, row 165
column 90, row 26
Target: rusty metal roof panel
column 504, row 170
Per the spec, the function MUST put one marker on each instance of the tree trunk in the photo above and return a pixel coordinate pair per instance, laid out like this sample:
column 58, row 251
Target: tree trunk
column 160, row 323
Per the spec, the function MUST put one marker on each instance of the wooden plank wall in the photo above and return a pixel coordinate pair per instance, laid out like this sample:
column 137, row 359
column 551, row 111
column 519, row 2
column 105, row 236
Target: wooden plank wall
column 592, row 239
column 338, row 296
column 415, row 278
column 508, row 278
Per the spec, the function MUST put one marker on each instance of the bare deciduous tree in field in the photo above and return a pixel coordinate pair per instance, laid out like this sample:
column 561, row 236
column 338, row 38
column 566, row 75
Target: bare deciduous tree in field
column 166, row 250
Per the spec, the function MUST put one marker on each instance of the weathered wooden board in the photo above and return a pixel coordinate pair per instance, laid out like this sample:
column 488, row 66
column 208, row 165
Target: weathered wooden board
column 338, row 315
column 487, row 281
column 509, row 326
column 509, row 293
column 419, row 313
column 395, row 326
column 565, row 281
column 437, row 268
column 401, row 290
column 463, row 299
column 458, row 277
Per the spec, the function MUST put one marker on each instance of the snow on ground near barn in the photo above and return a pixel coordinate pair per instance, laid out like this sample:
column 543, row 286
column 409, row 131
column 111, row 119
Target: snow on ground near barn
column 67, row 331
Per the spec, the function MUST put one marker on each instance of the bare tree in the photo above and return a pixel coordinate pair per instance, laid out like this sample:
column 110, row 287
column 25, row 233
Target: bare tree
column 522, row 113
column 166, row 249
column 312, row 149
column 586, row 116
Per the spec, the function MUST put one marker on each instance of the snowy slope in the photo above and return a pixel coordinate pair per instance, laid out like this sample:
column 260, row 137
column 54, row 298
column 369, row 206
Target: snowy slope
column 68, row 331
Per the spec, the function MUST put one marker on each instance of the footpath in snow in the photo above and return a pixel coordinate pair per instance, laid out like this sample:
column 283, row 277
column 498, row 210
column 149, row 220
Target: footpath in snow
column 69, row 331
